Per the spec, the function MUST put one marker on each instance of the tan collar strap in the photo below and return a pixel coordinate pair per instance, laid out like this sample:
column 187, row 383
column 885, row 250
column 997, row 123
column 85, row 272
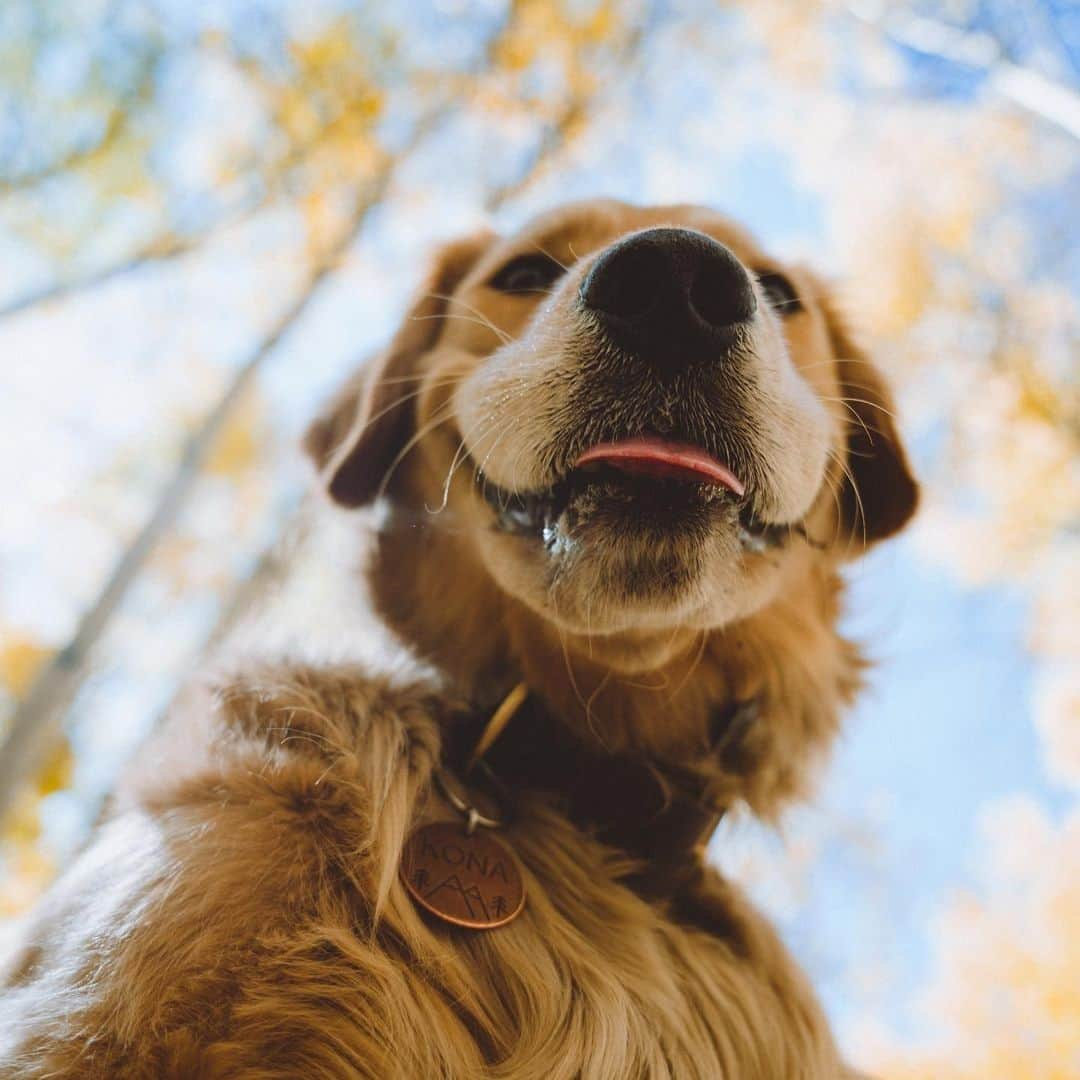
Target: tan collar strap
column 497, row 724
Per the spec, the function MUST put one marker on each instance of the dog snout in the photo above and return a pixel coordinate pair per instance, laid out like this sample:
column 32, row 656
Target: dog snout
column 672, row 296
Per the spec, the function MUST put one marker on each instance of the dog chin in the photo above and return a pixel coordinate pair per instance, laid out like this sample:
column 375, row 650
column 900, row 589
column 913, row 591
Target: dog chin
column 616, row 590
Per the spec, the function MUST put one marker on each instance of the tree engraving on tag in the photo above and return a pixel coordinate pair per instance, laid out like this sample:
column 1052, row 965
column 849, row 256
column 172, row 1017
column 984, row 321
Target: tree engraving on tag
column 470, row 881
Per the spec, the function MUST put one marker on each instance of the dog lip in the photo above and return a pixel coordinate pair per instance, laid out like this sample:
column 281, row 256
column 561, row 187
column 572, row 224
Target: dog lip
column 663, row 457
column 532, row 514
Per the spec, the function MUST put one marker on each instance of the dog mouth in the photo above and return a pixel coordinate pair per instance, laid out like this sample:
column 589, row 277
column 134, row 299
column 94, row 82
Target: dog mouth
column 650, row 481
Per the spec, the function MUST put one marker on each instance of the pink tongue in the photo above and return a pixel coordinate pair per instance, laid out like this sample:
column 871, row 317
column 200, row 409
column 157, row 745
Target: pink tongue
column 662, row 458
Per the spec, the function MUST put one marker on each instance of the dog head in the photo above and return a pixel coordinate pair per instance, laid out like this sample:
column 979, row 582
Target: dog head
column 638, row 419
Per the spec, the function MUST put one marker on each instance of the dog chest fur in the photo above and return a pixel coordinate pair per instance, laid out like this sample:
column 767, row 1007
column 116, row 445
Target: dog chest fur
column 240, row 915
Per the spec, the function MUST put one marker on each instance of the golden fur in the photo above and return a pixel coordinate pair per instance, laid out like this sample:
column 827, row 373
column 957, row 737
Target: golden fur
column 239, row 914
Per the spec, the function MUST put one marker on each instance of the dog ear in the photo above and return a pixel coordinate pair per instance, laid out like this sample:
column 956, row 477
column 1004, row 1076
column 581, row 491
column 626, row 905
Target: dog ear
column 880, row 495
column 370, row 421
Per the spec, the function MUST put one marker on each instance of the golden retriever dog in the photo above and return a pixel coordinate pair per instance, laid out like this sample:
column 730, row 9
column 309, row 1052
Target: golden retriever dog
column 619, row 461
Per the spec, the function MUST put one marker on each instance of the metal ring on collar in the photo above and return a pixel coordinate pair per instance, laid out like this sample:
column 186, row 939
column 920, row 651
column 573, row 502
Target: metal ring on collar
column 473, row 817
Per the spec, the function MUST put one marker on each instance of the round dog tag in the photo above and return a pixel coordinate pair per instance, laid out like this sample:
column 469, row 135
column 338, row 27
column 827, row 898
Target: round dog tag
column 467, row 880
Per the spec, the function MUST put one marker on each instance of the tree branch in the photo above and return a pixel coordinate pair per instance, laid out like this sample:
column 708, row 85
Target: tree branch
column 37, row 715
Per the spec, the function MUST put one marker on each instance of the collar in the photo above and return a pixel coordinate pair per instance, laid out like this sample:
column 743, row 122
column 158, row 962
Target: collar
column 657, row 812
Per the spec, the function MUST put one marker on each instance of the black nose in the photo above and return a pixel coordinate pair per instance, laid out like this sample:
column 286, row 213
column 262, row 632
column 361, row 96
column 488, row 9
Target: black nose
column 672, row 296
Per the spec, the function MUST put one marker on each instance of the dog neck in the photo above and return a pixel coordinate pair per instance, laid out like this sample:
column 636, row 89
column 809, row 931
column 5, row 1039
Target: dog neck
column 668, row 698
column 658, row 813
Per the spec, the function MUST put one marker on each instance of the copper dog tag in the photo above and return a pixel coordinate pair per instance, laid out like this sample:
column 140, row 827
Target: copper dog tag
column 466, row 880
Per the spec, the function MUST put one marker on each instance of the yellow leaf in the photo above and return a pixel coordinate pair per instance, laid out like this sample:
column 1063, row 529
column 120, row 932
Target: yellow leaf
column 21, row 658
column 22, row 825
column 56, row 775
column 237, row 446
column 26, row 873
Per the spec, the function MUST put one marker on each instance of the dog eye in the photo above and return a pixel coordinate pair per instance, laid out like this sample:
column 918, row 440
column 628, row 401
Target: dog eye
column 527, row 273
column 781, row 293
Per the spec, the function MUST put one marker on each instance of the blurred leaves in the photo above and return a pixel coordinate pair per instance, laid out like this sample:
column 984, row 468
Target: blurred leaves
column 211, row 119
column 1004, row 1000
column 28, row 867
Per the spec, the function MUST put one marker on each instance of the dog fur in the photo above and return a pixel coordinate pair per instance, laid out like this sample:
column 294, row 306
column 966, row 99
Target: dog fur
column 238, row 913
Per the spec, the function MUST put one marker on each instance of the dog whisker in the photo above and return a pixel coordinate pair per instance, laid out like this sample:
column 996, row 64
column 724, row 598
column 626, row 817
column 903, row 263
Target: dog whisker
column 443, row 415
column 481, row 317
column 863, row 401
column 486, row 323
column 544, row 251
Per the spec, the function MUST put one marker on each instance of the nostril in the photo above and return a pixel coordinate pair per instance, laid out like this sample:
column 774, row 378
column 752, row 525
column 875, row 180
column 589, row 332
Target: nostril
column 624, row 287
column 721, row 293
